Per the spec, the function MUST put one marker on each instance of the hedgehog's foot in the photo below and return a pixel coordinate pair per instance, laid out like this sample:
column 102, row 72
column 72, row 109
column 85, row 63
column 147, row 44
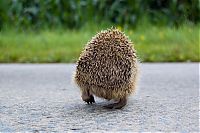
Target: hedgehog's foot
column 87, row 97
column 122, row 102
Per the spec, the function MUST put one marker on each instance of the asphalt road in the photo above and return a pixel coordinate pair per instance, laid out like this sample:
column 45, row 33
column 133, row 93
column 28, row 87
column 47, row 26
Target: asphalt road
column 42, row 97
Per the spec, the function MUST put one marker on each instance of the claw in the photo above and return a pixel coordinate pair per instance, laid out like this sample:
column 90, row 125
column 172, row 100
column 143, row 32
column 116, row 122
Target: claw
column 89, row 99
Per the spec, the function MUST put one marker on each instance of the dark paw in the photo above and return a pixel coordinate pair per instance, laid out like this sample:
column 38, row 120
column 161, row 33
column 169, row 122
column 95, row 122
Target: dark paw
column 114, row 106
column 109, row 106
column 118, row 105
column 89, row 100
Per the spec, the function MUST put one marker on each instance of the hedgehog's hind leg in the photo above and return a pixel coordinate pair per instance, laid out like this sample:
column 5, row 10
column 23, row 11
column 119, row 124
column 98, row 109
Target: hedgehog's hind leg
column 87, row 96
column 122, row 102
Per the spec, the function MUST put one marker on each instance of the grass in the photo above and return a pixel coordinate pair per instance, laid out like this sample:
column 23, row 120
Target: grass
column 153, row 44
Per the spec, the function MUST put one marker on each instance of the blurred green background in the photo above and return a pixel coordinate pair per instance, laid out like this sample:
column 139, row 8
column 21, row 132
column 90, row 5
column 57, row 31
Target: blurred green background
column 45, row 31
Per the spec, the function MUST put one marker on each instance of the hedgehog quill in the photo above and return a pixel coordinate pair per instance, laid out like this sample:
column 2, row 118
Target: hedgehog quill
column 107, row 68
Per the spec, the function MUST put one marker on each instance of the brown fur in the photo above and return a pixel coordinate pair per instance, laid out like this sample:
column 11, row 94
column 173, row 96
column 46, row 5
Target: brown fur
column 108, row 67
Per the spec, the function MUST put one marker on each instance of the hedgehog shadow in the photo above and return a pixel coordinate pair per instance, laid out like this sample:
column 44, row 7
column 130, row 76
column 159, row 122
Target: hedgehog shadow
column 99, row 106
column 91, row 108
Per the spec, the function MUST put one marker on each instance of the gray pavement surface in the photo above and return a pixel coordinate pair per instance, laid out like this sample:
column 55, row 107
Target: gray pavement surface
column 42, row 97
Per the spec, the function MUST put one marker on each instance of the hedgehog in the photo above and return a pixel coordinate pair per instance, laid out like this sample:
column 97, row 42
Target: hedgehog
column 107, row 68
